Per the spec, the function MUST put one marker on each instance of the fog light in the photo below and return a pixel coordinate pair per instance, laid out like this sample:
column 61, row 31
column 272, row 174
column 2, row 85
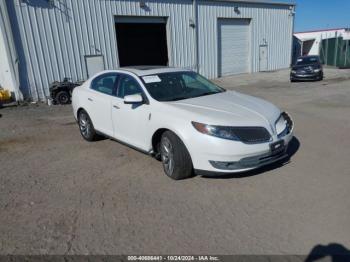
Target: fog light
column 224, row 165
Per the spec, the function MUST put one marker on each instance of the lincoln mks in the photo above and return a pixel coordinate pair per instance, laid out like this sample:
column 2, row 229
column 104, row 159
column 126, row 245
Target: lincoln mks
column 181, row 118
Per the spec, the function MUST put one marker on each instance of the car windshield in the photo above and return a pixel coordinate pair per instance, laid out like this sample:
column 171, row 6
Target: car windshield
column 176, row 86
column 307, row 60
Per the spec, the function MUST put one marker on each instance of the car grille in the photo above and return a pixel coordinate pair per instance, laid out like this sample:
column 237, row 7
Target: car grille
column 305, row 70
column 252, row 135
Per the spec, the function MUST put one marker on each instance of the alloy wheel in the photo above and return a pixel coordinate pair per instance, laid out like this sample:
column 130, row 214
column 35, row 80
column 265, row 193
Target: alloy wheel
column 84, row 125
column 167, row 155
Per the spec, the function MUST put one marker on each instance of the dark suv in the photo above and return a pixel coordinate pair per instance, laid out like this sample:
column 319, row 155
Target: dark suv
column 307, row 68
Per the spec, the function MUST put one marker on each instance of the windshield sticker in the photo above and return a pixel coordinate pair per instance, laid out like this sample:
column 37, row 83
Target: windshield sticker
column 151, row 79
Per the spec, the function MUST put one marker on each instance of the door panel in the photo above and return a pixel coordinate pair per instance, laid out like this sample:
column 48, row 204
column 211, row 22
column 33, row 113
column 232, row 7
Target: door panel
column 263, row 66
column 100, row 111
column 99, row 101
column 130, row 121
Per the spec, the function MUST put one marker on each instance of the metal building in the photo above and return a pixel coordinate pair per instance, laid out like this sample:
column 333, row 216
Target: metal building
column 77, row 38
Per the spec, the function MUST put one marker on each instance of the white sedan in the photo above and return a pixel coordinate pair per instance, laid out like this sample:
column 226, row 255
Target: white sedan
column 183, row 119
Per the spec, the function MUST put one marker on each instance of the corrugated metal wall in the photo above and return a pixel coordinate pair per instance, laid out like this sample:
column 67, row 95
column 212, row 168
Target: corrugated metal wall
column 52, row 39
column 55, row 38
column 270, row 24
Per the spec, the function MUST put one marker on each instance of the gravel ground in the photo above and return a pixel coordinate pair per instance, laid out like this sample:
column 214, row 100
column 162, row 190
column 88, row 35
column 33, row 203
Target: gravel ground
column 62, row 195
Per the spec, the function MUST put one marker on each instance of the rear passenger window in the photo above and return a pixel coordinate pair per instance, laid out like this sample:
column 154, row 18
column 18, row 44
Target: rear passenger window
column 105, row 84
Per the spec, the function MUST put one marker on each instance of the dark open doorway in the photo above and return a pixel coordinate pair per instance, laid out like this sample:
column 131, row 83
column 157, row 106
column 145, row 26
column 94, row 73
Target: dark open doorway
column 142, row 44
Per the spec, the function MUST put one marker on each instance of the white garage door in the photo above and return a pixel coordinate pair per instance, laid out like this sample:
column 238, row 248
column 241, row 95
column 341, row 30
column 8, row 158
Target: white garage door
column 233, row 43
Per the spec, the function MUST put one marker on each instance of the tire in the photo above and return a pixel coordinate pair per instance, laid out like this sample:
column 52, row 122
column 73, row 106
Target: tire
column 177, row 163
column 86, row 127
column 63, row 97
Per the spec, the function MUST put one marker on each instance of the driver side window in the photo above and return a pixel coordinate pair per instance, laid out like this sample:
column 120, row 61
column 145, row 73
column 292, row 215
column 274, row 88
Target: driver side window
column 128, row 86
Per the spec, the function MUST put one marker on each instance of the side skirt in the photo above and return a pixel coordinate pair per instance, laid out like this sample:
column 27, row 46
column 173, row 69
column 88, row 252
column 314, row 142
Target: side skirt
column 150, row 153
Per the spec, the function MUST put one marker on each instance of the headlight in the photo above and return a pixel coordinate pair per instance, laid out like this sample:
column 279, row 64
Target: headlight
column 294, row 72
column 224, row 132
column 283, row 125
column 317, row 70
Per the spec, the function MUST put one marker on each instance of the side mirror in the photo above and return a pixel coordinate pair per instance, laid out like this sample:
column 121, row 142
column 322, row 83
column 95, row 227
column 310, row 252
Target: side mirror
column 133, row 99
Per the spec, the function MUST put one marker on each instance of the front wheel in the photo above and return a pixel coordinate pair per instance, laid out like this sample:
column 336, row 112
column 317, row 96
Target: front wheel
column 176, row 160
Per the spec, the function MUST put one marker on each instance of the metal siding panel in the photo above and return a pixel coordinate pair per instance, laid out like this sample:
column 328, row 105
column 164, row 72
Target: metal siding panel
column 39, row 60
column 74, row 33
column 51, row 45
column 46, row 51
column 107, row 53
column 29, row 55
column 62, row 17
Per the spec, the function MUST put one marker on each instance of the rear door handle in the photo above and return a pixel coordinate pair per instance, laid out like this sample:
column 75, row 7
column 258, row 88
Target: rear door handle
column 90, row 99
column 116, row 107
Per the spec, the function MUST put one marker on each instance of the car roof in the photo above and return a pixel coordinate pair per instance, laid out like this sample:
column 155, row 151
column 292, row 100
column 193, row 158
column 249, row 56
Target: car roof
column 151, row 70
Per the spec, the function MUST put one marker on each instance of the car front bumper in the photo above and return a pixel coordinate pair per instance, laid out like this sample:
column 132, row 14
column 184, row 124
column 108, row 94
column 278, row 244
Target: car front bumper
column 306, row 76
column 235, row 157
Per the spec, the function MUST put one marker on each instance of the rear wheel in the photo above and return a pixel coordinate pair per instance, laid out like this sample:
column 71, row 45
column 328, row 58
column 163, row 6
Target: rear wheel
column 86, row 127
column 63, row 97
column 176, row 160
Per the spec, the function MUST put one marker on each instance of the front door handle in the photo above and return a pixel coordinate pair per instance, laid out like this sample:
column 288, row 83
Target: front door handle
column 116, row 107
column 90, row 99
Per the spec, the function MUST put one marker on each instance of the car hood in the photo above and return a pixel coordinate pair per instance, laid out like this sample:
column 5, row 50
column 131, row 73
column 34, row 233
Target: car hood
column 229, row 108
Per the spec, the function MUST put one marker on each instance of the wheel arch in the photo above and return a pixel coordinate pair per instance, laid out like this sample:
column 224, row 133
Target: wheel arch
column 80, row 109
column 157, row 135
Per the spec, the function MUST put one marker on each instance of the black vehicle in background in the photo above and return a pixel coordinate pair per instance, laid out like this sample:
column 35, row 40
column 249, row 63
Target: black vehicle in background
column 61, row 92
column 307, row 68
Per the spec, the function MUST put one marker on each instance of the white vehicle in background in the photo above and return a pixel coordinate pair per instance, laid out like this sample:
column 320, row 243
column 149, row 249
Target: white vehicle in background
column 185, row 120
